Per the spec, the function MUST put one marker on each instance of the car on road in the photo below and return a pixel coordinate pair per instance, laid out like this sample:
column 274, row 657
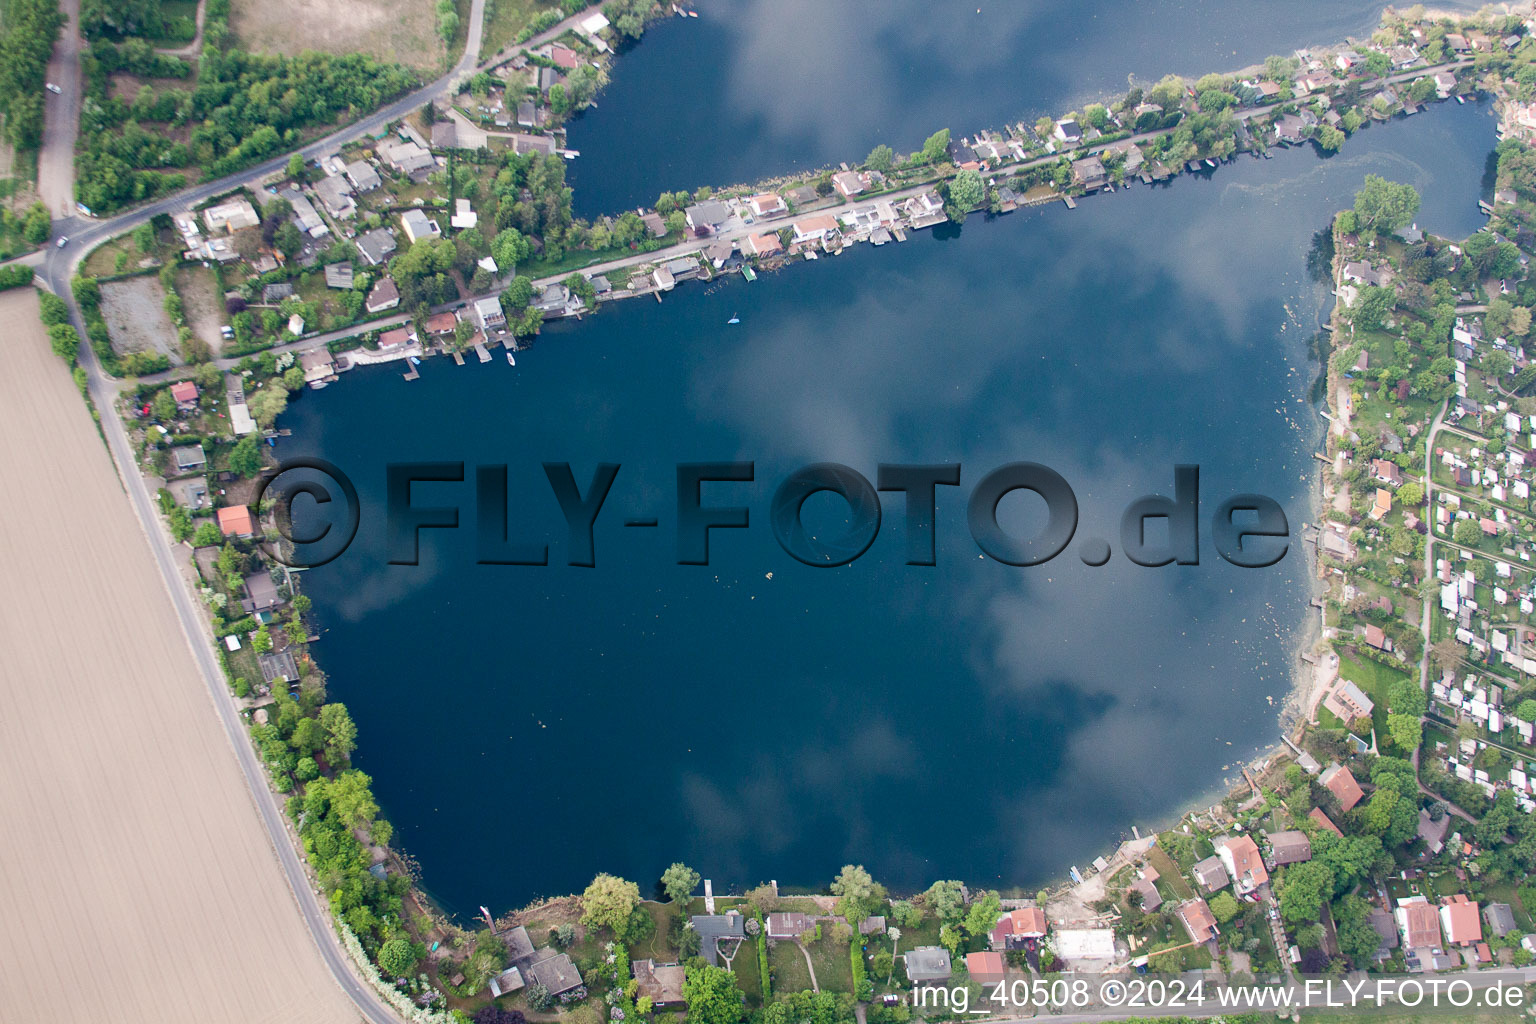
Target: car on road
column 62, row 242
column 54, row 89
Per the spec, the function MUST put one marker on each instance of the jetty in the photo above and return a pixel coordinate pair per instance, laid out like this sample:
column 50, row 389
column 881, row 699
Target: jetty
column 480, row 350
column 1070, row 204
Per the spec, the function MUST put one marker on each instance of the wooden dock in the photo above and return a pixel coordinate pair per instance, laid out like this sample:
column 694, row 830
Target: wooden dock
column 1070, row 204
column 458, row 357
column 480, row 351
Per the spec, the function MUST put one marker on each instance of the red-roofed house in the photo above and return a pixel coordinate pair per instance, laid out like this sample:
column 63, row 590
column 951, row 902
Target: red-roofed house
column 1460, row 921
column 1240, row 856
column 563, row 57
column 1198, row 920
column 1342, row 785
column 762, row 245
column 442, row 323
column 767, row 204
column 986, row 967
column 236, row 521
column 1017, row 927
column 185, row 394
column 1324, row 821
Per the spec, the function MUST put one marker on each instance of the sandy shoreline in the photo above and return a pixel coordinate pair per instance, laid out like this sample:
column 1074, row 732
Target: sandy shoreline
column 139, row 882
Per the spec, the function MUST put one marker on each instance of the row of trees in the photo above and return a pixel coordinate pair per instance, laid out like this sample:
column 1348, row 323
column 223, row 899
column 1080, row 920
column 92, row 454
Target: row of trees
column 31, row 28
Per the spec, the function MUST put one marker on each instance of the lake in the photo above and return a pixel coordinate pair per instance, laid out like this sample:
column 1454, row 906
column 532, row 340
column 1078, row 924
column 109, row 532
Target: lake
column 758, row 718
column 753, row 89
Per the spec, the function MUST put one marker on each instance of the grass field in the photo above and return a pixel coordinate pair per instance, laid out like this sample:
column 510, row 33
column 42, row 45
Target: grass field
column 788, row 966
column 504, row 19
column 125, row 812
column 394, row 30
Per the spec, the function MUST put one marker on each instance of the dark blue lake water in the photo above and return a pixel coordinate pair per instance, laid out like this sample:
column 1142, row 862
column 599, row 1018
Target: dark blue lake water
column 758, row 718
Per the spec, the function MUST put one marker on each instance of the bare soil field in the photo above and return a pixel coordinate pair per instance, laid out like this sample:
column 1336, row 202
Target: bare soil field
column 136, row 881
column 396, row 30
column 203, row 304
column 134, row 309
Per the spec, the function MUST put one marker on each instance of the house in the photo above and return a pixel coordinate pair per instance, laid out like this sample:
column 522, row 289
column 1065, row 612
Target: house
column 296, row 325
column 719, row 251
column 849, row 183
column 1402, row 56
column 445, row 135
column 1387, row 472
column 985, row 967
column 1376, row 638
column 1460, row 922
column 1198, row 921
column 278, row 667
column 507, row 982
column 663, row 983
column 1290, row 847
column 523, row 143
column 553, row 299
column 236, row 521
column 1089, row 173
column 362, row 176
column 684, row 268
column 709, row 216
column 1077, row 944
column 927, row 964
column 1130, row 151
column 530, row 116
column 384, row 295
column 1323, row 821
column 418, row 225
column 318, row 365
column 1146, row 886
column 338, row 275
column 376, row 245
column 792, row 925
column 1338, row 781
column 1348, row 702
column 714, row 927
column 547, row 78
column 802, row 195
column 819, row 228
column 398, row 338
column 1500, row 918
column 190, row 492
column 1312, row 82
column 768, row 204
column 1240, row 856
column 1346, row 59
column 463, row 216
column 1382, row 505
column 188, row 458
column 276, row 292
column 488, row 312
column 1364, row 273
column 556, row 973
column 925, row 210
column 231, row 216
column 442, row 323
column 563, row 57
column 662, row 279
column 408, row 157
column 762, row 245
column 184, row 393
column 654, row 225
column 1289, row 128
column 260, row 594
column 1444, row 83
column 1018, row 927
column 590, row 27
column 1433, row 832
column 1068, row 132
column 1386, row 932
column 872, row 925
column 1211, row 874
column 305, row 215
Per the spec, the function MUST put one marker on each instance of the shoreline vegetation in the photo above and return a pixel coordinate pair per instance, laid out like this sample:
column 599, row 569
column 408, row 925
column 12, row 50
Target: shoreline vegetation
column 1393, row 367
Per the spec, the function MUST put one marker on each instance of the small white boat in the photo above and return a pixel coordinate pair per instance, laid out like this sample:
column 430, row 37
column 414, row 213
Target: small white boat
column 734, row 320
column 1460, row 98
column 510, row 360
column 1209, row 162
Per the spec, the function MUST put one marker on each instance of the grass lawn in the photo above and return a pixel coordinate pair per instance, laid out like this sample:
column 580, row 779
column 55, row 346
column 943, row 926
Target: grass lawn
column 788, row 967
column 748, row 978
column 656, row 947
column 1507, row 892
column 834, row 968
column 505, row 20
column 1169, row 873
column 1374, row 679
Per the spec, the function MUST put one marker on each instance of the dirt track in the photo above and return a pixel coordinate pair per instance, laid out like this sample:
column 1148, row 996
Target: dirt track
column 136, row 882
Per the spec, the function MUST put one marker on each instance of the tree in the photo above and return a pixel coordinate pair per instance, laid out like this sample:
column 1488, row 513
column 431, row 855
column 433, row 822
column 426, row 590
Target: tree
column 947, row 899
column 1467, row 532
column 1224, row 907
column 340, row 733
column 983, row 915
column 267, row 405
column 1406, row 730
column 679, row 881
column 858, row 894
column 1329, row 138
column 966, row 191
column 509, row 248
column 608, row 901
column 397, row 958
column 1305, row 888
column 1526, row 710
column 936, row 147
column 711, row 995
column 1411, row 494
column 352, row 800
column 1383, row 205
column 1371, row 307
column 881, row 159
column 296, row 169
column 308, row 736
column 245, row 458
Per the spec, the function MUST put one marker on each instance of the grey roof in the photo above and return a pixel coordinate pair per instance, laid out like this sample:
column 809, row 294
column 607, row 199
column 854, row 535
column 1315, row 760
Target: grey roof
column 927, row 963
column 712, row 927
column 278, row 665
column 336, row 193
column 1211, row 874
column 519, row 945
column 417, row 224
column 189, row 456
column 363, row 176
column 556, row 973
column 710, row 214
column 338, row 275
column 1290, row 847
column 1500, row 918
column 376, row 245
column 277, row 292
column 261, row 593
column 1386, row 928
